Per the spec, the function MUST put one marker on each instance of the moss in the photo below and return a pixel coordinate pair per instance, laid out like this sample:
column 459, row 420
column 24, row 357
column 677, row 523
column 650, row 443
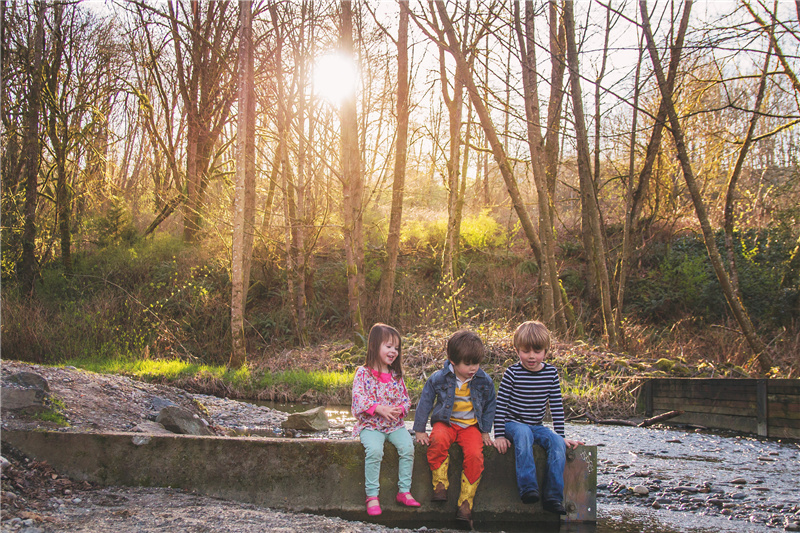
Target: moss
column 664, row 364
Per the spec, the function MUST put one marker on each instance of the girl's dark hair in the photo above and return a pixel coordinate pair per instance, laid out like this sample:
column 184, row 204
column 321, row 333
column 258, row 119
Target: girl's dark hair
column 378, row 334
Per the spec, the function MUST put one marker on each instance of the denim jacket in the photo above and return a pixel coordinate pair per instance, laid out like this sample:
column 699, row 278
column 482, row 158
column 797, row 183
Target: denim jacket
column 438, row 397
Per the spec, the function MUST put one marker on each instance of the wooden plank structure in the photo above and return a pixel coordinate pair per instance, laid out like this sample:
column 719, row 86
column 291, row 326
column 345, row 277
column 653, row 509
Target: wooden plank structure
column 765, row 407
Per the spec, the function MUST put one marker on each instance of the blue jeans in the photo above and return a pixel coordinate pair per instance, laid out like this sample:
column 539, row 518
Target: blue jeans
column 523, row 437
column 373, row 446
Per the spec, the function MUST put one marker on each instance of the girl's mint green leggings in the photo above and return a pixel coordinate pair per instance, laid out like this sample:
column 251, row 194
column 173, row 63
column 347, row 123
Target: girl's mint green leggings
column 373, row 446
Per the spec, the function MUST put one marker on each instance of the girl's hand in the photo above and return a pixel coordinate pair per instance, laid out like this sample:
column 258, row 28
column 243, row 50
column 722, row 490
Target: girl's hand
column 389, row 412
column 572, row 443
column 422, row 438
column 487, row 439
column 501, row 444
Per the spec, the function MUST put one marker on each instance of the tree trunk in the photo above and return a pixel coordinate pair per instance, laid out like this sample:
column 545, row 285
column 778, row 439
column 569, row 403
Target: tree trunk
column 398, row 183
column 58, row 131
column 352, row 188
column 733, row 179
column 491, row 136
column 551, row 310
column 597, row 253
column 244, row 198
column 32, row 154
column 737, row 308
column 625, row 253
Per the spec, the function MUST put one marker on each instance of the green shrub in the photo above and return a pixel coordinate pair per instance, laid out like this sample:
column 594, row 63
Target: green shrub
column 684, row 283
column 482, row 232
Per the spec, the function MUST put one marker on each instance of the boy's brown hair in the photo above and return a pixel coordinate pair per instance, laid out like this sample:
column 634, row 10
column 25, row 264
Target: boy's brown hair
column 532, row 335
column 465, row 347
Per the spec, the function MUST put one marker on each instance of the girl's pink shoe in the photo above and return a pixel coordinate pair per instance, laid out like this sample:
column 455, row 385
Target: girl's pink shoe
column 407, row 499
column 373, row 510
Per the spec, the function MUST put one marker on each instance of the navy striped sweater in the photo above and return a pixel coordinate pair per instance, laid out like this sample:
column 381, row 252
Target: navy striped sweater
column 523, row 397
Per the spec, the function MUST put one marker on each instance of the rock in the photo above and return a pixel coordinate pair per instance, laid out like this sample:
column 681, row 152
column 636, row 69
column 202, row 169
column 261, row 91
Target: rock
column 24, row 391
column 29, row 380
column 153, row 428
column 179, row 420
column 157, row 403
column 641, row 490
column 14, row 398
column 791, row 526
column 311, row 420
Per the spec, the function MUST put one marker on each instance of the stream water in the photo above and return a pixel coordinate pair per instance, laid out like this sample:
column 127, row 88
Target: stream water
column 694, row 480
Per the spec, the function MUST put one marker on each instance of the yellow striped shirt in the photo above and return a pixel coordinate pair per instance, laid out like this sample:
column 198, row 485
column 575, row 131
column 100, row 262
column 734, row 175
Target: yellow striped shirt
column 463, row 414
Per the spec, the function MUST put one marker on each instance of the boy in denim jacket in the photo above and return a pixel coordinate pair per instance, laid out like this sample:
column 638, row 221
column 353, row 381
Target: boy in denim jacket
column 460, row 400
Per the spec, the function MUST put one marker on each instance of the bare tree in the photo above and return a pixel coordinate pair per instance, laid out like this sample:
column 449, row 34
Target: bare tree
column 244, row 200
column 203, row 40
column 32, row 152
column 596, row 251
column 739, row 312
column 352, row 186
column 398, row 182
column 552, row 310
column 490, row 131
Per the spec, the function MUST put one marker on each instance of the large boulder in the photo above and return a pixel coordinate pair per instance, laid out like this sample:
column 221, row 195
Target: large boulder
column 311, row 420
column 29, row 380
column 152, row 428
column 24, row 391
column 180, row 420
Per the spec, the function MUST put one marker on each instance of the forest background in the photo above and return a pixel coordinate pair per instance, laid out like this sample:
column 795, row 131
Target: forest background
column 227, row 195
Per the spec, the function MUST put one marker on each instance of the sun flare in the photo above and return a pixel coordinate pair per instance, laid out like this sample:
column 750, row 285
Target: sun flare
column 335, row 77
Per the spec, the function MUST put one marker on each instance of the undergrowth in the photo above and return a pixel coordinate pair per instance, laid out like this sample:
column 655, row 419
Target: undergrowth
column 158, row 309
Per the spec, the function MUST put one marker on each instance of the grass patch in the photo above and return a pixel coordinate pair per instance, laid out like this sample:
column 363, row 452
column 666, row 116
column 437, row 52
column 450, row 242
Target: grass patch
column 54, row 414
column 323, row 385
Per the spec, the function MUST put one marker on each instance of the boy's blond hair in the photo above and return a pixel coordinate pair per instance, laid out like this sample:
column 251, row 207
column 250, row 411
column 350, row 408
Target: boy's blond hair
column 532, row 335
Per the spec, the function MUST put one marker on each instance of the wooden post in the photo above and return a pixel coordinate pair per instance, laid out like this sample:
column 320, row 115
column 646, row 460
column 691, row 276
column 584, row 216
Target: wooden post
column 648, row 398
column 762, row 413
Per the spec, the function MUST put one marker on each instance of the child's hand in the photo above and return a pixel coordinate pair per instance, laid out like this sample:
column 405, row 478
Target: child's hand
column 501, row 444
column 389, row 412
column 572, row 443
column 487, row 439
column 422, row 438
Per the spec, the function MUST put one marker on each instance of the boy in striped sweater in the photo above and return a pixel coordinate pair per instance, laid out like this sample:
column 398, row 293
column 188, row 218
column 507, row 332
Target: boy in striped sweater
column 525, row 391
column 460, row 400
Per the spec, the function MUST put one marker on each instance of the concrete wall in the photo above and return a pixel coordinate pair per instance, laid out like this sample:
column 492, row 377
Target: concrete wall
column 319, row 476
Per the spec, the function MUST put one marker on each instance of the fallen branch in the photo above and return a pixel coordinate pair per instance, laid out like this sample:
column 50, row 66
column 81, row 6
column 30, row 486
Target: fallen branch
column 660, row 418
column 610, row 421
column 575, row 417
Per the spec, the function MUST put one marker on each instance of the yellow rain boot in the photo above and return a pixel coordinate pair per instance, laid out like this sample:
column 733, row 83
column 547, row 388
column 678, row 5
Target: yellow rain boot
column 466, row 499
column 440, row 481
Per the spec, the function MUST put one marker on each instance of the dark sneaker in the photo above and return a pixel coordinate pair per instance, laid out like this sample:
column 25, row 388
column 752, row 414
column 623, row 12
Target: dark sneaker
column 464, row 514
column 554, row 507
column 439, row 493
column 530, row 497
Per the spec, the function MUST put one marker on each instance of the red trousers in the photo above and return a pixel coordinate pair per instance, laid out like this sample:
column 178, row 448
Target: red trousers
column 444, row 435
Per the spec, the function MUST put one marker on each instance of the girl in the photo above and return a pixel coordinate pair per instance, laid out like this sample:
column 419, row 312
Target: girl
column 380, row 403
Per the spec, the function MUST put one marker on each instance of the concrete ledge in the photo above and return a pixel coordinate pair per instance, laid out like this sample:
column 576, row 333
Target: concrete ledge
column 317, row 476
